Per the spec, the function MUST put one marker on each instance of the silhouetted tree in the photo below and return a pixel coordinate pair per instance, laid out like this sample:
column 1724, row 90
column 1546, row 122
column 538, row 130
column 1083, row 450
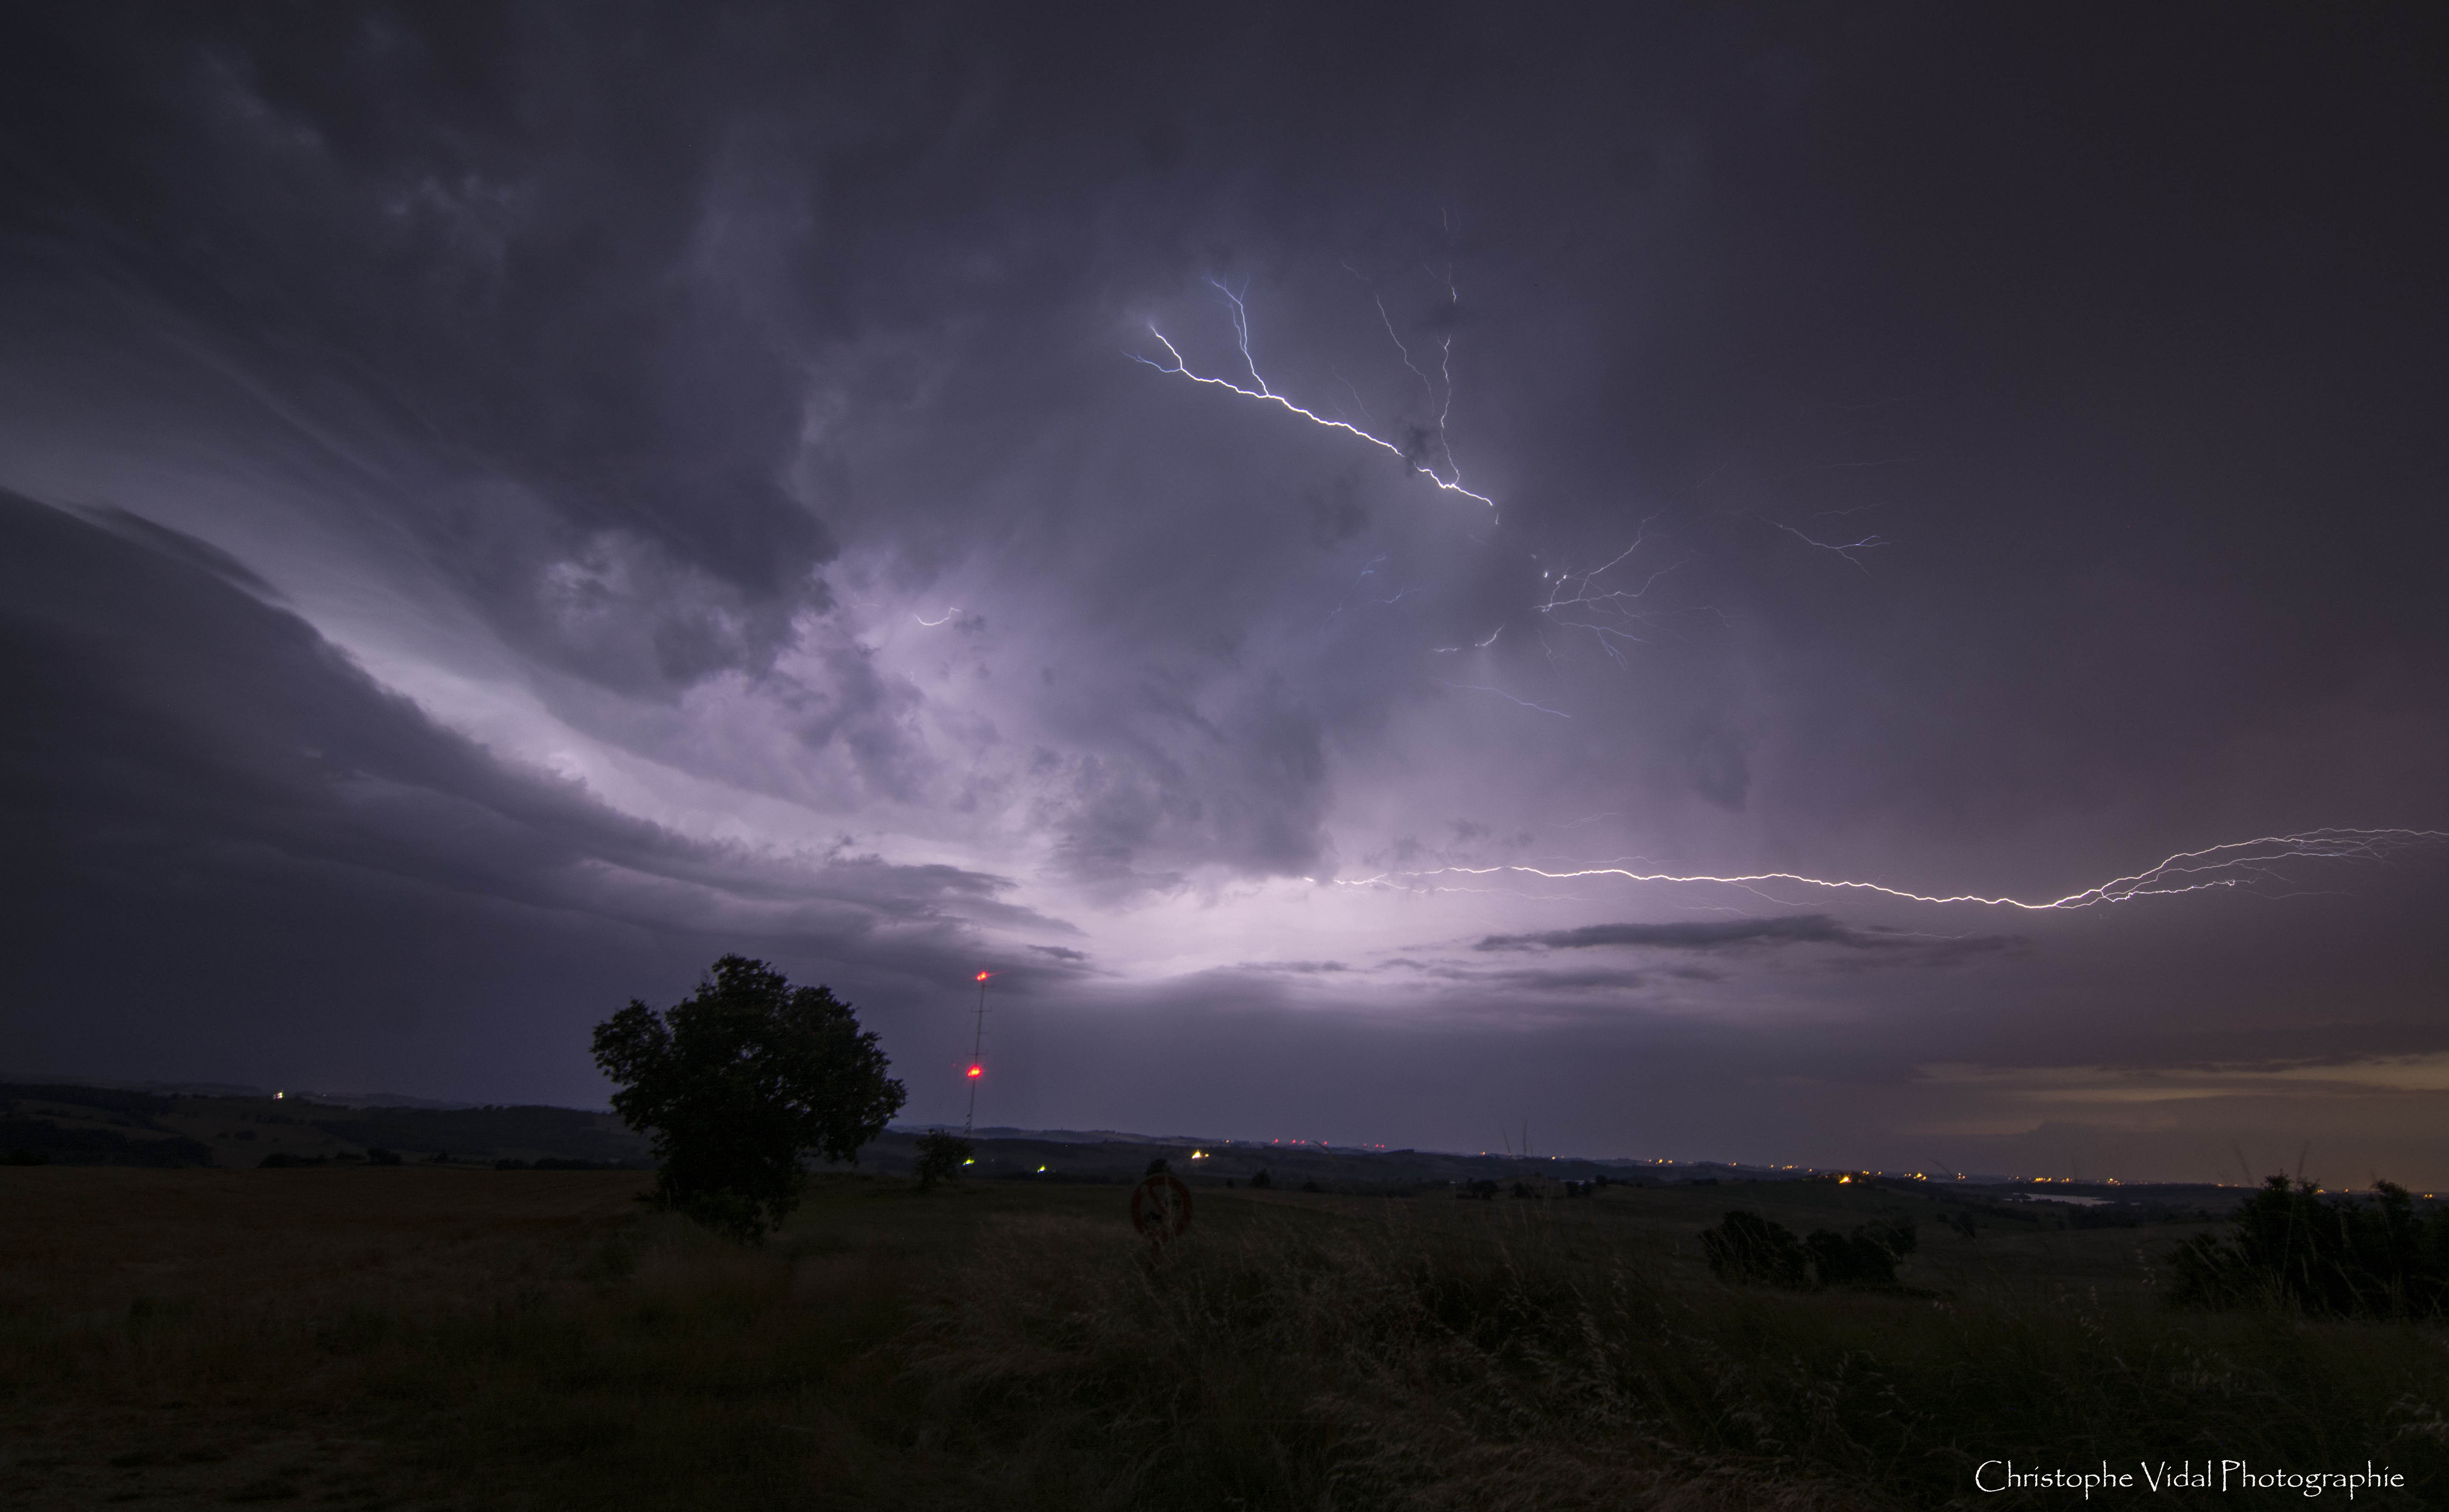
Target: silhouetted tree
column 1262, row 1182
column 941, row 1155
column 737, row 1082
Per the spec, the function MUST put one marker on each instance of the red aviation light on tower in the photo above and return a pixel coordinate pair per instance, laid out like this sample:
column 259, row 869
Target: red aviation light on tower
column 984, row 975
column 976, row 1071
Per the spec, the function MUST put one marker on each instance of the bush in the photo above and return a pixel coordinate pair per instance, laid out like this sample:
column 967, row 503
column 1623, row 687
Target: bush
column 941, row 1155
column 2336, row 1258
column 1850, row 1260
column 1749, row 1249
column 1261, row 1182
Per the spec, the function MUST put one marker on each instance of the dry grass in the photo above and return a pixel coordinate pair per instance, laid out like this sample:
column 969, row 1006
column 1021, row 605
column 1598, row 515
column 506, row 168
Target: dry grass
column 1474, row 1359
column 449, row 1338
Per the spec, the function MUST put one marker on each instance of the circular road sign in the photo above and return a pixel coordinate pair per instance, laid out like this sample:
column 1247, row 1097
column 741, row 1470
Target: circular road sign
column 1160, row 1207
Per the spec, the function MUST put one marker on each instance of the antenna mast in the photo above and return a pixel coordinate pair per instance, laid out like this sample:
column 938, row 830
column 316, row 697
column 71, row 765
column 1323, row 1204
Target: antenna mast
column 977, row 1049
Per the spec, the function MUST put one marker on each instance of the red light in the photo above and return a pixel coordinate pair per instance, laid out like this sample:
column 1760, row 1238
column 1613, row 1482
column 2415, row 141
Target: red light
column 977, row 1071
column 984, row 975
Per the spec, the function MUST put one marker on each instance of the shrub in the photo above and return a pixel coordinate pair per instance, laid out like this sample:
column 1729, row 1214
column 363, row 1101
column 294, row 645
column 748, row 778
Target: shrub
column 2337, row 1259
column 1862, row 1258
column 1749, row 1249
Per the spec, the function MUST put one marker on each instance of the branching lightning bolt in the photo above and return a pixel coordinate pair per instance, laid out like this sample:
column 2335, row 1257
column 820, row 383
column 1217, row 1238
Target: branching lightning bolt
column 1576, row 600
column 2233, row 864
column 1844, row 549
column 1452, row 484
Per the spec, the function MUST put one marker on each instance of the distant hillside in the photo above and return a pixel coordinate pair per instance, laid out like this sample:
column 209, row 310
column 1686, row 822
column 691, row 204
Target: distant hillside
column 90, row 1126
column 59, row 1123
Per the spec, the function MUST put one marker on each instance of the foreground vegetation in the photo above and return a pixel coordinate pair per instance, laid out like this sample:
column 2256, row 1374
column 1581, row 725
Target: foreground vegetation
column 414, row 1338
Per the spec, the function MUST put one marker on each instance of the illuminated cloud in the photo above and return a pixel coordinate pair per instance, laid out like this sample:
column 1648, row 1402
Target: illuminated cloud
column 505, row 508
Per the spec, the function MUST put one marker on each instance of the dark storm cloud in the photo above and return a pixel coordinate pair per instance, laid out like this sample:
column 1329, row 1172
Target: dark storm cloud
column 1716, row 935
column 1869, row 948
column 597, row 304
column 652, row 362
column 1593, row 978
column 180, row 748
column 1793, row 929
column 357, row 214
column 1249, row 792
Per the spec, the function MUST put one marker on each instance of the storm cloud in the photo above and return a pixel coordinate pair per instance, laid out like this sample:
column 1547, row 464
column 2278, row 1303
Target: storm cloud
column 509, row 502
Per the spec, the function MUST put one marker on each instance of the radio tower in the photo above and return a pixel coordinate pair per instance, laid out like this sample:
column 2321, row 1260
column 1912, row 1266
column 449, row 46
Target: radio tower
column 977, row 1049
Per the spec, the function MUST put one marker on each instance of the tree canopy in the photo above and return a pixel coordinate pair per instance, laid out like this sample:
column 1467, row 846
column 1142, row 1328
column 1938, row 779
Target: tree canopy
column 736, row 1083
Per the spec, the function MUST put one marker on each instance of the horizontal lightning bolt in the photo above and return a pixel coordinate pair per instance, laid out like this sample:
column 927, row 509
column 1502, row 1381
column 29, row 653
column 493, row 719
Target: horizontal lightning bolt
column 2184, row 872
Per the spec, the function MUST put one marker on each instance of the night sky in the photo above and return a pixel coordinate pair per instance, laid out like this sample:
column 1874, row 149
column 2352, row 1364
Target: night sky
column 502, row 506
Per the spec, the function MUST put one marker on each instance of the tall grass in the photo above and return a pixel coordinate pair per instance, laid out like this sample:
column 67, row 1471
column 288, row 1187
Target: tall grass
column 529, row 1341
column 1406, row 1364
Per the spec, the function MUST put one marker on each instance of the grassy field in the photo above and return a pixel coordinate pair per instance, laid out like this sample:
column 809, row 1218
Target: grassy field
column 405, row 1337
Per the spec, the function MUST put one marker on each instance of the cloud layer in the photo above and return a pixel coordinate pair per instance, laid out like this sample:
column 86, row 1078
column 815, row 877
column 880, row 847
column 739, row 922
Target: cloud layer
column 508, row 503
